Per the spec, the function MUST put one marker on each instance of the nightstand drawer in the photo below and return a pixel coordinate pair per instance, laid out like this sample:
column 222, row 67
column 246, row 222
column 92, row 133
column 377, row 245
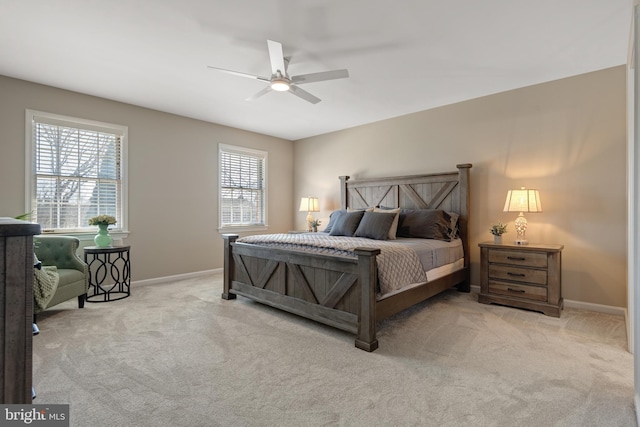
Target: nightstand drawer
column 538, row 293
column 528, row 275
column 527, row 259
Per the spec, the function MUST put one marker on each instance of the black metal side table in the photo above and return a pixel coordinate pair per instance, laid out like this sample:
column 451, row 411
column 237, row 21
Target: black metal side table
column 112, row 261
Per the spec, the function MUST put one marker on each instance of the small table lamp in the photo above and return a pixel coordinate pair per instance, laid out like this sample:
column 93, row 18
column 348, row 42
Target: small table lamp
column 309, row 204
column 523, row 200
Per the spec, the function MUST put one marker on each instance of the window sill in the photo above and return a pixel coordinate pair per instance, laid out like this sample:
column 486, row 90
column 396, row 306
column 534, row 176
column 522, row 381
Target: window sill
column 87, row 235
column 242, row 229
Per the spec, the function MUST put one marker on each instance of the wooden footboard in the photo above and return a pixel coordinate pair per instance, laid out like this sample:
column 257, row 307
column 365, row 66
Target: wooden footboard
column 336, row 291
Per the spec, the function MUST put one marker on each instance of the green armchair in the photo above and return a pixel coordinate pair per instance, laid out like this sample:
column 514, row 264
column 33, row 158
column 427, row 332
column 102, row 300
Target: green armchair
column 60, row 251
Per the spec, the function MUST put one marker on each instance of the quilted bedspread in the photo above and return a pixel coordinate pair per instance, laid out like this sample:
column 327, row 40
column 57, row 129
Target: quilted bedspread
column 398, row 265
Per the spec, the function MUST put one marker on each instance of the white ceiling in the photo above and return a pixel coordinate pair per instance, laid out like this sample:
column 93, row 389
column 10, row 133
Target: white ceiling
column 403, row 56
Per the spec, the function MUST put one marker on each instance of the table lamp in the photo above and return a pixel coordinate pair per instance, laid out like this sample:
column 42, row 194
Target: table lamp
column 309, row 204
column 523, row 200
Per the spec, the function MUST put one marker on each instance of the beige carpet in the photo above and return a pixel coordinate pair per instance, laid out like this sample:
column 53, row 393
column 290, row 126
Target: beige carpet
column 176, row 354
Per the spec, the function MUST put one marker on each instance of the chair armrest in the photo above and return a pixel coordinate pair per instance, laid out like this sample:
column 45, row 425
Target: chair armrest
column 59, row 251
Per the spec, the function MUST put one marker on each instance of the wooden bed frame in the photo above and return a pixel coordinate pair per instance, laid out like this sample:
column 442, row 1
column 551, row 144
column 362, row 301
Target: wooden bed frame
column 340, row 291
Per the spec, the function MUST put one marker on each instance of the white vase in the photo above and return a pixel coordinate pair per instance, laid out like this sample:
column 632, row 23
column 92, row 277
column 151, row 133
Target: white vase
column 497, row 240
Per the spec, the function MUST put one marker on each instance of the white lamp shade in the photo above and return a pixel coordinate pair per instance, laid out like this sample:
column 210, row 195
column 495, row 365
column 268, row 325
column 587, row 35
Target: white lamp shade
column 309, row 204
column 523, row 200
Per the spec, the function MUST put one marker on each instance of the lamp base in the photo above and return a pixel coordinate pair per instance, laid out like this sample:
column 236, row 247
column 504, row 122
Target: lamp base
column 521, row 228
column 309, row 221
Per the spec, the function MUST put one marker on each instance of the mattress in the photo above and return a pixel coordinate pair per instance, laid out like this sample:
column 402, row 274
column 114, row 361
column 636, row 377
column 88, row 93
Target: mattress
column 434, row 253
column 433, row 274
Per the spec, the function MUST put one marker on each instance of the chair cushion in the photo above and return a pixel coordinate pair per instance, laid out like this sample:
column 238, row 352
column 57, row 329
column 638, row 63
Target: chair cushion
column 68, row 276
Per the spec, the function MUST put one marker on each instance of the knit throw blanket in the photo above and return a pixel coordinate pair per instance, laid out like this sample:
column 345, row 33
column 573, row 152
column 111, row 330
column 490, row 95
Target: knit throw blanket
column 45, row 283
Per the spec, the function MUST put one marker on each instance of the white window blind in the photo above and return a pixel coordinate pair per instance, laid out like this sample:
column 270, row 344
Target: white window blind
column 76, row 171
column 242, row 186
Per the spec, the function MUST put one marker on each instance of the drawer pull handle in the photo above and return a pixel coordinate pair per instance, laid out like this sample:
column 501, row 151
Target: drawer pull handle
column 516, row 258
column 516, row 274
column 520, row 291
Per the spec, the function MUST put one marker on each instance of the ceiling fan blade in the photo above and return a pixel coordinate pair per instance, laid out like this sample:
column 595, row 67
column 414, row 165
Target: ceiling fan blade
column 304, row 94
column 259, row 94
column 238, row 73
column 319, row 77
column 277, row 57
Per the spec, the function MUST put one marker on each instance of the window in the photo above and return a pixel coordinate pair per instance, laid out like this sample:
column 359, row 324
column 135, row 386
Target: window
column 243, row 191
column 75, row 170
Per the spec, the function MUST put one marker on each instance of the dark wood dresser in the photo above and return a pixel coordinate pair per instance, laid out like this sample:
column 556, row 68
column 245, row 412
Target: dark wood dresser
column 523, row 276
column 16, row 309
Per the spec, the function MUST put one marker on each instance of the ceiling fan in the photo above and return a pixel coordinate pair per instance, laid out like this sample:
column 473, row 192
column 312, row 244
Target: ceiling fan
column 281, row 81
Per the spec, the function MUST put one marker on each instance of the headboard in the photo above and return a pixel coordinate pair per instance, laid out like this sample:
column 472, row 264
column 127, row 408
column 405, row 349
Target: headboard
column 448, row 191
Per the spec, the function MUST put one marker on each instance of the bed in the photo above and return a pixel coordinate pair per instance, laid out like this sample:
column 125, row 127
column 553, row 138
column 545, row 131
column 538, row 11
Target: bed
column 344, row 291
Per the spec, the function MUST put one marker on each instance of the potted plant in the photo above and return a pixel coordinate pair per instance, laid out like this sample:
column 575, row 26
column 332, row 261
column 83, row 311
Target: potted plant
column 315, row 224
column 498, row 229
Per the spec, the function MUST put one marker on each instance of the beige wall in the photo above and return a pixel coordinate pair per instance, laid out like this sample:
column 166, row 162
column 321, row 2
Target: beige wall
column 173, row 175
column 566, row 138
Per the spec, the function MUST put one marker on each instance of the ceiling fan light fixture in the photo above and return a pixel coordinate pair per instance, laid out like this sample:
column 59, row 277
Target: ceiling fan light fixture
column 280, row 81
column 280, row 85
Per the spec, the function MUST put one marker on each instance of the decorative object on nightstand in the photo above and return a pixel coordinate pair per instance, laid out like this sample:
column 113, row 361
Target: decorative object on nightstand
column 528, row 276
column 523, row 200
column 102, row 239
column 309, row 204
column 498, row 229
column 315, row 224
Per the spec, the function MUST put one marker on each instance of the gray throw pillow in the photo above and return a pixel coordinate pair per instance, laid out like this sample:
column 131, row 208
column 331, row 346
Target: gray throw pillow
column 346, row 224
column 424, row 224
column 333, row 218
column 393, row 230
column 453, row 225
column 375, row 225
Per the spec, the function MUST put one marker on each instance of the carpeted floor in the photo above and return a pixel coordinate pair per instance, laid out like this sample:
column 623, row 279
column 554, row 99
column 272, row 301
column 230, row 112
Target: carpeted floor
column 176, row 354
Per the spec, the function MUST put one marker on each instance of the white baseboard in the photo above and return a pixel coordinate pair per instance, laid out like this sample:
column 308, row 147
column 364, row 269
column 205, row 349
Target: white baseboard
column 166, row 279
column 609, row 309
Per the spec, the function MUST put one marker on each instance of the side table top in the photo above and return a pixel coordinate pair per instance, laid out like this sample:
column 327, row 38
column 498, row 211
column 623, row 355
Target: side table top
column 527, row 247
column 106, row 249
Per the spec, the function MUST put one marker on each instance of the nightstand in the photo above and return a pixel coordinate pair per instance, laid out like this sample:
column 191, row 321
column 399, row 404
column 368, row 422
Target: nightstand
column 523, row 276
